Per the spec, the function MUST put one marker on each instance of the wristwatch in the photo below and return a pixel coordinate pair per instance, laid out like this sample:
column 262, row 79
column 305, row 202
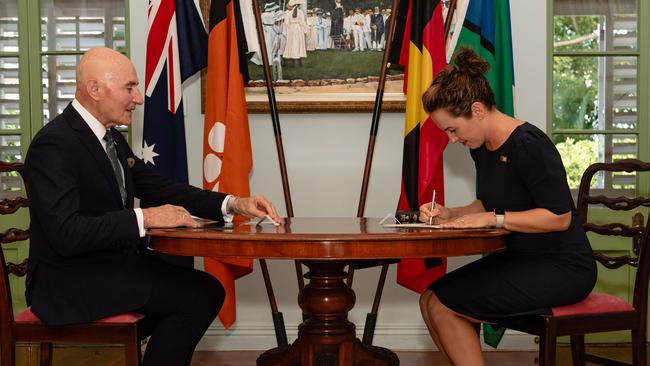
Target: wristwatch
column 500, row 216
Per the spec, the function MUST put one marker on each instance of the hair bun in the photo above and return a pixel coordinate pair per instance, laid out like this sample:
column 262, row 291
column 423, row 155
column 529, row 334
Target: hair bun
column 467, row 61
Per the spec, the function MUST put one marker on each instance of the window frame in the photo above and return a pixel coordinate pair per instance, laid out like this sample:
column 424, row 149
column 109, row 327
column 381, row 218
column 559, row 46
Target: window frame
column 30, row 72
column 642, row 53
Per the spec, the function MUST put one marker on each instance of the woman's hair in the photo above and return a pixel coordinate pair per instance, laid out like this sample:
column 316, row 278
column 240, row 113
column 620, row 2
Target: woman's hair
column 460, row 84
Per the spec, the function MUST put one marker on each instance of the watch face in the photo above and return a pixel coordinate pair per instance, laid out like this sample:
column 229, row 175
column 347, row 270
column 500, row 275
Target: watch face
column 499, row 211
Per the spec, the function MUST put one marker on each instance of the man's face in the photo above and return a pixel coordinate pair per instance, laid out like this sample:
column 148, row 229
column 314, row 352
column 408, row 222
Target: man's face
column 119, row 96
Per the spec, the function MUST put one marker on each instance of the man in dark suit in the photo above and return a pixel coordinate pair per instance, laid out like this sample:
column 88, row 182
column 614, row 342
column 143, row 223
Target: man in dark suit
column 88, row 252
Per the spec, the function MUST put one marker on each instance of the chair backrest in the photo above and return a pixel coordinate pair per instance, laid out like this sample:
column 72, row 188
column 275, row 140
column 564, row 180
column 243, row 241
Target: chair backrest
column 8, row 206
column 639, row 256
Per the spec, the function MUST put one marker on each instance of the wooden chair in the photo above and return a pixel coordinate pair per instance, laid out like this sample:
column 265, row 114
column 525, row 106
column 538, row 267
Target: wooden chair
column 602, row 312
column 127, row 329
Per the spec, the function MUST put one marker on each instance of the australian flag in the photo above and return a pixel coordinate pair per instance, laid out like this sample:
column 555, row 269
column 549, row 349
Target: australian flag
column 177, row 44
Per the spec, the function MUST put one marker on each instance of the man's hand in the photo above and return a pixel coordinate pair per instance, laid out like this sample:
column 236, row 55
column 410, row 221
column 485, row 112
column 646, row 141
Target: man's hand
column 167, row 216
column 257, row 206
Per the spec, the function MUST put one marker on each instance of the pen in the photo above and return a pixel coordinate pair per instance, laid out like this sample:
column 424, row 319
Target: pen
column 433, row 205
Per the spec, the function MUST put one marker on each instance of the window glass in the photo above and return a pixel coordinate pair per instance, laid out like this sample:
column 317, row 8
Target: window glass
column 9, row 94
column 8, row 26
column 595, row 92
column 68, row 25
column 579, row 151
column 58, row 83
column 10, row 148
column 9, row 110
column 590, row 25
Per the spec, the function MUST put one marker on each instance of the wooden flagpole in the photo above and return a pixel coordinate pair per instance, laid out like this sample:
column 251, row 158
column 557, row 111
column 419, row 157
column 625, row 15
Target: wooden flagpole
column 278, row 320
column 371, row 318
column 450, row 16
column 376, row 113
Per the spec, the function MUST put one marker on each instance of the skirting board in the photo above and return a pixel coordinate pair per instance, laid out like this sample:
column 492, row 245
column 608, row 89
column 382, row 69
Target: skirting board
column 406, row 338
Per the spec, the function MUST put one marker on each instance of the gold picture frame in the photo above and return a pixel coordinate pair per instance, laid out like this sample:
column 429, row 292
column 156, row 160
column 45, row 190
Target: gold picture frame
column 332, row 95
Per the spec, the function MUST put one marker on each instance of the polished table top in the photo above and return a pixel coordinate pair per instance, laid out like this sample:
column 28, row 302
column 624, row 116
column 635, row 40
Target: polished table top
column 324, row 238
column 326, row 246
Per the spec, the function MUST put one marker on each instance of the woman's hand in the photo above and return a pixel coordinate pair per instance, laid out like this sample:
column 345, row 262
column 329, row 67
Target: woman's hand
column 471, row 221
column 439, row 213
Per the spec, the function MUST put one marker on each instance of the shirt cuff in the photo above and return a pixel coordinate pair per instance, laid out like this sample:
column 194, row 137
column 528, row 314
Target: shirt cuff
column 227, row 217
column 140, row 217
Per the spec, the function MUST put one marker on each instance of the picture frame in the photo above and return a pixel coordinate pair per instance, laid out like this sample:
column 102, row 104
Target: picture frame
column 329, row 73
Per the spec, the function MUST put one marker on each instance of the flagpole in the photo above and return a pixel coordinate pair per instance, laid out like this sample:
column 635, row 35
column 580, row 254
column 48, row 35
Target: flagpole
column 376, row 113
column 278, row 320
column 450, row 15
column 371, row 317
column 273, row 107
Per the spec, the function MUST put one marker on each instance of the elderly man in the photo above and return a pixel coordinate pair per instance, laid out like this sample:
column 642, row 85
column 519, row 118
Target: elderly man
column 88, row 252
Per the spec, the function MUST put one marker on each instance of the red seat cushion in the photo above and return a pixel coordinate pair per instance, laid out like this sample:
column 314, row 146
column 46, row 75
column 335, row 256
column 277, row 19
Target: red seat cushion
column 26, row 316
column 594, row 303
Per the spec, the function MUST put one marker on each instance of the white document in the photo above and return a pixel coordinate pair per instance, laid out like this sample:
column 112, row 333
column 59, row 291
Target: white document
column 417, row 225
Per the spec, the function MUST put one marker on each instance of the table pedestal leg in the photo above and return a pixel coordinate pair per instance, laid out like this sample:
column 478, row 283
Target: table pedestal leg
column 327, row 338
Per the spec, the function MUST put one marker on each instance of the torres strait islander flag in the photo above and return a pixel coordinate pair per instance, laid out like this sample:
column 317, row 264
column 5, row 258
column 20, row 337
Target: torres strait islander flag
column 227, row 156
column 176, row 49
column 484, row 25
column 421, row 50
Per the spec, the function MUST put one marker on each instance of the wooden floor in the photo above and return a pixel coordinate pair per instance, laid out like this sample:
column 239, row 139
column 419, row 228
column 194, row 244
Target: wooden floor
column 113, row 356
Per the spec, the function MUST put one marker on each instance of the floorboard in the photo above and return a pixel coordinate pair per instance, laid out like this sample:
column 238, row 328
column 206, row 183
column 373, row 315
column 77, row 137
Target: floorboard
column 113, row 356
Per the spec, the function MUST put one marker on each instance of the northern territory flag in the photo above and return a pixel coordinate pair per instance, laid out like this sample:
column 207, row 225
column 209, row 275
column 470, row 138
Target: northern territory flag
column 227, row 156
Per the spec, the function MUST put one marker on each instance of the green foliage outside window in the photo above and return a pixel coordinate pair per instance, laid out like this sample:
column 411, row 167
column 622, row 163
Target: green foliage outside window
column 577, row 155
column 575, row 79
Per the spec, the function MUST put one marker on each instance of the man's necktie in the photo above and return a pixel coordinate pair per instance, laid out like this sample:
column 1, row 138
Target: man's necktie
column 111, row 151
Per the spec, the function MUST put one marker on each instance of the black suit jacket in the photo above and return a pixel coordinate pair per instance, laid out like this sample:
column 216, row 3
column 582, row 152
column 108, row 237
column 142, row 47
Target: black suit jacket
column 87, row 260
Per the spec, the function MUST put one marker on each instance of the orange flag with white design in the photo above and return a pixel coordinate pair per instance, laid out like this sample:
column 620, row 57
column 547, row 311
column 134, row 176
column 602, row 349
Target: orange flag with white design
column 227, row 157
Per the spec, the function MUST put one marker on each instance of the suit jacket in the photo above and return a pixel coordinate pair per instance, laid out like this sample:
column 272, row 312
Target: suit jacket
column 87, row 260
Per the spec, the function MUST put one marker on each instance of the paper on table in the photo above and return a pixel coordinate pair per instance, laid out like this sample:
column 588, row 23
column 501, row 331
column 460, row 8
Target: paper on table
column 267, row 220
column 421, row 225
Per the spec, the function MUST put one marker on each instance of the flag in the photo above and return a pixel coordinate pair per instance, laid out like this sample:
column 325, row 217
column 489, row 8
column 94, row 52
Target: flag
column 227, row 156
column 421, row 50
column 484, row 25
column 176, row 49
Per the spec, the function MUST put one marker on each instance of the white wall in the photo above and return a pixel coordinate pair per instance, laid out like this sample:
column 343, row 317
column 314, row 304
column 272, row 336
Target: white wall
column 325, row 154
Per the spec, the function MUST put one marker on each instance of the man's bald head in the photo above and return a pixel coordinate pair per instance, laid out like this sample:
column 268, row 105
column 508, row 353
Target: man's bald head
column 107, row 86
column 100, row 63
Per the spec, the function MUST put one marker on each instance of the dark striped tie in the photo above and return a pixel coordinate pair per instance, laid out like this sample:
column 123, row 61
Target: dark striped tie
column 115, row 162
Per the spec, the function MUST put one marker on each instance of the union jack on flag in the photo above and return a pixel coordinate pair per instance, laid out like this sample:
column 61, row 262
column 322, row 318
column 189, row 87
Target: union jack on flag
column 176, row 49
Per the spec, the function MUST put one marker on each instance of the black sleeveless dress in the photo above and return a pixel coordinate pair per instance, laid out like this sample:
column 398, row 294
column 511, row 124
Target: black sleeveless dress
column 536, row 271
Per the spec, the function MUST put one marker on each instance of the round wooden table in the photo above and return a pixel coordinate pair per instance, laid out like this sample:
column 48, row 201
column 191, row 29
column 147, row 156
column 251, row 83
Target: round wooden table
column 325, row 246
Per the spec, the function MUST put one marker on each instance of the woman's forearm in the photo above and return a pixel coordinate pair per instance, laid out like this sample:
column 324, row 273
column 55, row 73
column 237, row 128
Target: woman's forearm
column 537, row 220
column 474, row 207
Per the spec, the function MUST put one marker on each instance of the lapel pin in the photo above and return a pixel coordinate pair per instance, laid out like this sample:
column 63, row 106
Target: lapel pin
column 503, row 159
column 130, row 162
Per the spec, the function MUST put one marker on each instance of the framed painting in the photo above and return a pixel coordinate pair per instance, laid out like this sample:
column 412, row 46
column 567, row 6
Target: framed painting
column 324, row 55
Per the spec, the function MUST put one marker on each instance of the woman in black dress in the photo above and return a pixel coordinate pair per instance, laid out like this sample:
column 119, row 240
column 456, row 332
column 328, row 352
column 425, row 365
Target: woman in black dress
column 522, row 187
